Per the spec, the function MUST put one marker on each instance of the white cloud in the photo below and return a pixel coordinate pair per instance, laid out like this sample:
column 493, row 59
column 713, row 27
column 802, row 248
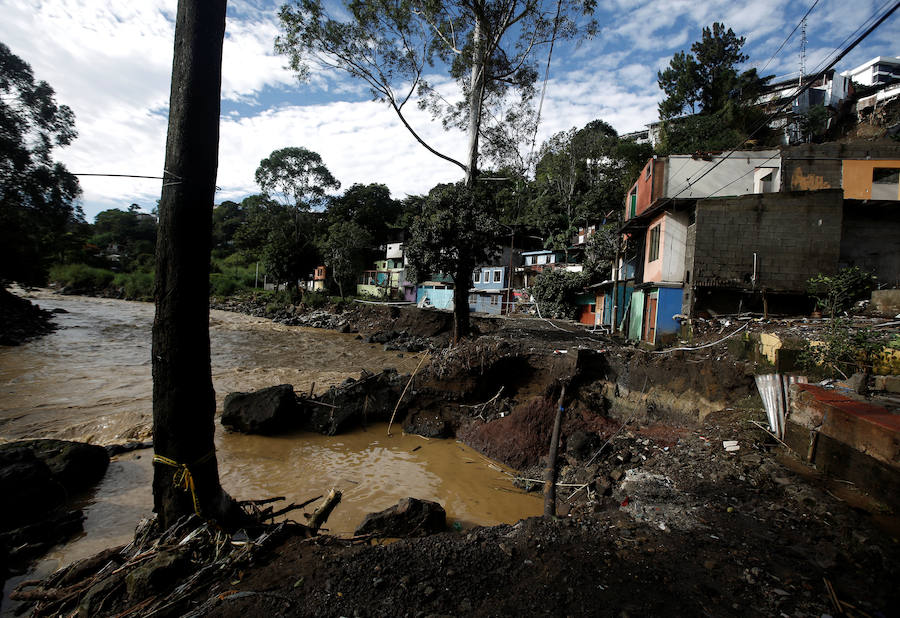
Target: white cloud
column 110, row 60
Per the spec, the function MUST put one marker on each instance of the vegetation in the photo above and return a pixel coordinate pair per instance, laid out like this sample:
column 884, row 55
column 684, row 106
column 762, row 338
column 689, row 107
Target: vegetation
column 39, row 215
column 556, row 292
column 837, row 293
column 844, row 350
column 456, row 230
column 708, row 78
column 490, row 48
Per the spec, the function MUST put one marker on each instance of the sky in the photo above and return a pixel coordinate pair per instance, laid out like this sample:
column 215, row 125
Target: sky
column 110, row 61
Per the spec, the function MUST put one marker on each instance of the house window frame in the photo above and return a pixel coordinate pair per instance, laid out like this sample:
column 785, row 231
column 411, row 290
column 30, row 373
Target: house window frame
column 498, row 276
column 476, row 276
column 653, row 243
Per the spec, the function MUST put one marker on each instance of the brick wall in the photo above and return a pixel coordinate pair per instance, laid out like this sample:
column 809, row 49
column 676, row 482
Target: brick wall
column 813, row 167
column 795, row 236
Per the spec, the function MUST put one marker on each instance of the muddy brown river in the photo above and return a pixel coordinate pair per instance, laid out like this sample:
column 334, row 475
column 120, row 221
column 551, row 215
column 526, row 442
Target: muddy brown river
column 90, row 381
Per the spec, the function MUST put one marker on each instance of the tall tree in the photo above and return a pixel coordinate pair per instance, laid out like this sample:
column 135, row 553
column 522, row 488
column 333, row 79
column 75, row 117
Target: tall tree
column 296, row 177
column 38, row 196
column 710, row 78
column 368, row 206
column 456, row 230
column 293, row 181
column 345, row 252
column 186, row 476
column 489, row 47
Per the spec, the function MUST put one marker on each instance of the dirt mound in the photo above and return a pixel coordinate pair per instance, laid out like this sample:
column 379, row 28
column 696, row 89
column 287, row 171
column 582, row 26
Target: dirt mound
column 518, row 440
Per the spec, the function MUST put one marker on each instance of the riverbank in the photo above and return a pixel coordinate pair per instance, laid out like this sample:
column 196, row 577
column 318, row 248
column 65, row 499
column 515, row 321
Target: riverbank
column 655, row 515
column 21, row 320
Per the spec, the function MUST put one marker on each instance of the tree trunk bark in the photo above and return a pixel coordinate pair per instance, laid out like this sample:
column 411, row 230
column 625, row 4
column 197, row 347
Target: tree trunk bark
column 476, row 99
column 183, row 398
column 461, row 327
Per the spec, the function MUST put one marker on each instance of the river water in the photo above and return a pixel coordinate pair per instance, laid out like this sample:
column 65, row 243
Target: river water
column 90, row 381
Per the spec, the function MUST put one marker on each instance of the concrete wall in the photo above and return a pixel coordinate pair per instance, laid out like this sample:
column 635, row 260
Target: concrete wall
column 795, row 236
column 669, row 265
column 669, row 305
column 734, row 176
column 858, row 180
column 871, row 238
column 814, row 167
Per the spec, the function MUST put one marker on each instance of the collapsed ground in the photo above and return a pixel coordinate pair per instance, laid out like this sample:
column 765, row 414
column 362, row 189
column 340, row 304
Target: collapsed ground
column 655, row 516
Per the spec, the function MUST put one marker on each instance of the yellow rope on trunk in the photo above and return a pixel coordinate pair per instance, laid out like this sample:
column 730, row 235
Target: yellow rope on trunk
column 183, row 479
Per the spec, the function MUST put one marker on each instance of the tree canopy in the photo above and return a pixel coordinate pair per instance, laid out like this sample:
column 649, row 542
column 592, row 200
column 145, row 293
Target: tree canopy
column 456, row 230
column 38, row 196
column 709, row 77
column 488, row 47
column 295, row 176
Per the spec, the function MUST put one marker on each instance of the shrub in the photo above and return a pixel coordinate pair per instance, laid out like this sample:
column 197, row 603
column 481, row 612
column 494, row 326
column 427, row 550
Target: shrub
column 556, row 291
column 837, row 293
column 844, row 349
column 221, row 284
column 81, row 277
column 135, row 286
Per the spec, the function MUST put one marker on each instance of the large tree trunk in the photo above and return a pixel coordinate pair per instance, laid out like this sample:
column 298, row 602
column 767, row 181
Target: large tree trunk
column 183, row 398
column 461, row 327
column 476, row 99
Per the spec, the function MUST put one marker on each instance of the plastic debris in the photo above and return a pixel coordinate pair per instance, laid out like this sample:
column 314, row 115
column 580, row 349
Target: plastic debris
column 731, row 445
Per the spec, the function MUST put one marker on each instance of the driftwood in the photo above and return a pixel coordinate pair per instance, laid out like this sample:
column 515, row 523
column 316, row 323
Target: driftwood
column 323, row 511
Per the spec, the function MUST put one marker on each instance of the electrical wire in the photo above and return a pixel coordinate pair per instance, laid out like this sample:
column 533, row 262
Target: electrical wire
column 784, row 42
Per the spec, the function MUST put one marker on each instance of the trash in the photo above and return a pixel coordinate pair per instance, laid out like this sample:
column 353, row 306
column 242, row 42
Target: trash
column 731, row 445
column 560, row 351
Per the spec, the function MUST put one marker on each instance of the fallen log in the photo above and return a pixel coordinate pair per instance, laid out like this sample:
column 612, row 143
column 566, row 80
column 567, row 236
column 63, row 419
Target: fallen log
column 323, row 511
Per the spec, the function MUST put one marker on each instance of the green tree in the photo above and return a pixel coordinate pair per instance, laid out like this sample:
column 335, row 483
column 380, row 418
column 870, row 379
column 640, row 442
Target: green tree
column 556, row 290
column 293, row 181
column 709, row 77
column 228, row 217
column 490, row 48
column 369, row 207
column 38, row 196
column 456, row 230
column 580, row 178
column 129, row 233
column 345, row 251
column 296, row 177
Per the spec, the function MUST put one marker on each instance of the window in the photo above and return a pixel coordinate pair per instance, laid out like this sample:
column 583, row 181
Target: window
column 885, row 183
column 498, row 275
column 495, row 299
column 633, row 204
column 649, row 167
column 653, row 254
column 476, row 276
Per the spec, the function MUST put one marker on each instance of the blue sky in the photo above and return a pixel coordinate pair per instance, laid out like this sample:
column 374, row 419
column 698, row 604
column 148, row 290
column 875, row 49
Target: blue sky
column 111, row 60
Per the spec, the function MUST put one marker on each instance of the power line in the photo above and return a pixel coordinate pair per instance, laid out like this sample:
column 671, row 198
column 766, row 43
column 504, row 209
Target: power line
column 809, row 82
column 788, row 38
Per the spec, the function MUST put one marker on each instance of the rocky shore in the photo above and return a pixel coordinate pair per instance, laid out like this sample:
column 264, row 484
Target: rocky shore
column 654, row 515
column 21, row 320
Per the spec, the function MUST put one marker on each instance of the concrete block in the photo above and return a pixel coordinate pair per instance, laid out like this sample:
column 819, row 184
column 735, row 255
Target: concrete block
column 886, row 301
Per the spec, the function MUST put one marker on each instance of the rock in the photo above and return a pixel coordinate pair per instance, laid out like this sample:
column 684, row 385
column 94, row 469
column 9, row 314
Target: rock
column 857, row 383
column 40, row 475
column 427, row 423
column 409, row 517
column 266, row 411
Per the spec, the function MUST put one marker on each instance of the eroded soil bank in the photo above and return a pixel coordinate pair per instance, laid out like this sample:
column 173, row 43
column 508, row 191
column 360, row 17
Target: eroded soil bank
column 655, row 516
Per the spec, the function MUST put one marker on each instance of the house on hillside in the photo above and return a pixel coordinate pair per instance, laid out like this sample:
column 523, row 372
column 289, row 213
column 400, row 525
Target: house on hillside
column 748, row 234
column 388, row 279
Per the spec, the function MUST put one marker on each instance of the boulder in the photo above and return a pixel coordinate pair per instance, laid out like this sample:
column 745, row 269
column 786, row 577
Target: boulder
column 38, row 476
column 266, row 411
column 409, row 517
